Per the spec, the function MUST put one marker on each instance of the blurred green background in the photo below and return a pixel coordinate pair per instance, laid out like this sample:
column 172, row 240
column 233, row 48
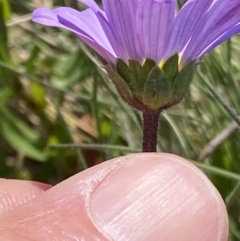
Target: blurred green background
column 52, row 93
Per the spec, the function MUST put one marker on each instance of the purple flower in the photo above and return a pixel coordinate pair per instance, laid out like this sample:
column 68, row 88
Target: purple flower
column 141, row 29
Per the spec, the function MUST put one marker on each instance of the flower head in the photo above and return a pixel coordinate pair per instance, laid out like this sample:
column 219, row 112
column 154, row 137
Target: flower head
column 149, row 39
column 133, row 29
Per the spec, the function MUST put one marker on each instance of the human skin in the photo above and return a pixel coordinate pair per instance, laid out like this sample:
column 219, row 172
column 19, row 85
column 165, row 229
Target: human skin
column 138, row 197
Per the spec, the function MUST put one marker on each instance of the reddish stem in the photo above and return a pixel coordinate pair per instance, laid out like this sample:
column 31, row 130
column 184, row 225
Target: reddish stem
column 150, row 130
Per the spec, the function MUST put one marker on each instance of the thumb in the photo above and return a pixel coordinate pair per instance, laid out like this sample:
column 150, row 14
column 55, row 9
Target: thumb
column 139, row 197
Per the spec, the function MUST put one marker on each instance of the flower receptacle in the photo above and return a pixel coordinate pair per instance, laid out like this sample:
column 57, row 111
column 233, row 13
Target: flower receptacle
column 149, row 86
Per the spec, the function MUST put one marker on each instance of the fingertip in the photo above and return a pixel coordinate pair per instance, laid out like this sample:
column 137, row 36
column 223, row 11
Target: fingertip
column 14, row 193
column 159, row 195
column 142, row 197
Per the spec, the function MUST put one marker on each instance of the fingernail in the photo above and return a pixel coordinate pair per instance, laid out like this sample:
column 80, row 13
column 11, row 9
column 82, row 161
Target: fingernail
column 158, row 197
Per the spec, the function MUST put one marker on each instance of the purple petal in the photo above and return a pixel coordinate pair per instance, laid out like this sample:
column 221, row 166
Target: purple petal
column 109, row 57
column 92, row 4
column 184, row 25
column 226, row 23
column 85, row 21
column 46, row 17
column 108, row 29
column 113, row 38
column 121, row 16
column 221, row 39
column 78, row 22
column 154, row 18
column 222, row 16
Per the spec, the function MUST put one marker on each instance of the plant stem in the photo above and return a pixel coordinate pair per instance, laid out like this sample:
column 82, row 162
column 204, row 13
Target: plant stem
column 150, row 129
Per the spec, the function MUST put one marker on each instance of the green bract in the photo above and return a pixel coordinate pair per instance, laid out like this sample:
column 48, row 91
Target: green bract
column 150, row 86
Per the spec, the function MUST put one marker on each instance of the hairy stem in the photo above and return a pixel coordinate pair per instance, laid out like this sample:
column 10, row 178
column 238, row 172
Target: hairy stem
column 150, row 129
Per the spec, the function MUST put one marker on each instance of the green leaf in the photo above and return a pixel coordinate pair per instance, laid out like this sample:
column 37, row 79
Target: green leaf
column 170, row 68
column 182, row 82
column 6, row 9
column 125, row 73
column 5, row 94
column 18, row 125
column 148, row 65
column 217, row 171
column 19, row 135
column 38, row 94
column 4, row 50
column 140, row 77
column 135, row 75
column 30, row 63
column 121, row 86
column 157, row 89
column 70, row 69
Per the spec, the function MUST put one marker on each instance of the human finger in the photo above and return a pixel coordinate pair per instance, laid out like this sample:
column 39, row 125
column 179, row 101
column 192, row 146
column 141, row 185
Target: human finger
column 138, row 197
column 14, row 193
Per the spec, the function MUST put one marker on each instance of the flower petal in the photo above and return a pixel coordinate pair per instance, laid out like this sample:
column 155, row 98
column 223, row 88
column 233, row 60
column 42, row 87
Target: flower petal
column 184, row 25
column 121, row 16
column 154, row 18
column 222, row 15
column 108, row 29
column 85, row 21
column 227, row 22
column 221, row 39
column 46, row 17
column 78, row 22
column 92, row 4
